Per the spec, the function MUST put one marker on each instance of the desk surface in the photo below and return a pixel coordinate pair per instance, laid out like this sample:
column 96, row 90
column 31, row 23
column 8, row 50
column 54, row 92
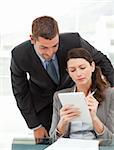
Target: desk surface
column 28, row 147
column 32, row 146
column 42, row 147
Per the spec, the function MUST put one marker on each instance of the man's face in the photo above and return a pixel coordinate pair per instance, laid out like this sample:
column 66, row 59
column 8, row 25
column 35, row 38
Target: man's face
column 47, row 48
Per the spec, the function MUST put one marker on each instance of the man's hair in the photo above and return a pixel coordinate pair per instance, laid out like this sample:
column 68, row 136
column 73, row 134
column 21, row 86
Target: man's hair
column 45, row 27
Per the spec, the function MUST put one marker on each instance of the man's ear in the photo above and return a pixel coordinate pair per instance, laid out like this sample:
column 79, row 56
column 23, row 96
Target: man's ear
column 33, row 41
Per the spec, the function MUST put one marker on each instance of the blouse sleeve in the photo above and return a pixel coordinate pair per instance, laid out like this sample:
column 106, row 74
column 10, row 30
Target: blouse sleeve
column 109, row 125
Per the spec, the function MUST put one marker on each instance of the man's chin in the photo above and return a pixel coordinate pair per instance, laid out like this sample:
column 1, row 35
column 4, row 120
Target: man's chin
column 47, row 58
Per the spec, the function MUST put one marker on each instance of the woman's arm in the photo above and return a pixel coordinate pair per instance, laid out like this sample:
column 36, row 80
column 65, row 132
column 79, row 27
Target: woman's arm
column 104, row 130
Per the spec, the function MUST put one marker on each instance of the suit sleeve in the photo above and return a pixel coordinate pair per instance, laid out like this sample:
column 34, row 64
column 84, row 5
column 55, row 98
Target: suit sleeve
column 100, row 60
column 22, row 94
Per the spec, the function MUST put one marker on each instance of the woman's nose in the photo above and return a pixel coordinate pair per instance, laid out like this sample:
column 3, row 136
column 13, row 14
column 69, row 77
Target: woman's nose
column 78, row 72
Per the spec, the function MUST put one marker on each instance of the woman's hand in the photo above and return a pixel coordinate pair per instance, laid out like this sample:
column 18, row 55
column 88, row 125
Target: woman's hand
column 67, row 113
column 93, row 105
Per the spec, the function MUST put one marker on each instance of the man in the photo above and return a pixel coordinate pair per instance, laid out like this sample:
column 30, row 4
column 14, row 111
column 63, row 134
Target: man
column 31, row 63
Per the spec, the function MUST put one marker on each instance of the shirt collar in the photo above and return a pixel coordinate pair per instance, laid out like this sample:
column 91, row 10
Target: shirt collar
column 42, row 59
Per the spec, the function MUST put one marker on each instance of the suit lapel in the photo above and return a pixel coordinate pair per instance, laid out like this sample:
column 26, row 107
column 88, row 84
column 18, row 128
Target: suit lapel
column 61, row 56
column 39, row 68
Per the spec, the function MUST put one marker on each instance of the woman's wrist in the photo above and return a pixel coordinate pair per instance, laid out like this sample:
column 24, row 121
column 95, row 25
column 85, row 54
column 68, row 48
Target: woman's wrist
column 59, row 133
column 94, row 118
column 62, row 127
column 98, row 125
column 101, row 131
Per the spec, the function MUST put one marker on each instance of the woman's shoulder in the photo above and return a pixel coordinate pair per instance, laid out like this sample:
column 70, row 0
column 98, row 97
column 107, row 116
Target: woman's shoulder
column 109, row 92
column 65, row 90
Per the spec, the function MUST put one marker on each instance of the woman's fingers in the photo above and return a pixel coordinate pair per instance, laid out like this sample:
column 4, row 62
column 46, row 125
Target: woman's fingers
column 91, row 101
column 92, row 105
column 69, row 110
column 67, row 113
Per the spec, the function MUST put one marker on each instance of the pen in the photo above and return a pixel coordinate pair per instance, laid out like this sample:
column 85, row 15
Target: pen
column 93, row 92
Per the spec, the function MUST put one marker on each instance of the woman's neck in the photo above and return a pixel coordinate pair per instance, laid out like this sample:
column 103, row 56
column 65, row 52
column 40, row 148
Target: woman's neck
column 84, row 88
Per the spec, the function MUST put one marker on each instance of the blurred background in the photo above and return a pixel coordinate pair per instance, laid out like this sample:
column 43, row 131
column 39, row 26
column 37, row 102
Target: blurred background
column 93, row 19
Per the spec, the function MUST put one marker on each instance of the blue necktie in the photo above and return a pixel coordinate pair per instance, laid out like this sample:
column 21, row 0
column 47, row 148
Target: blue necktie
column 52, row 71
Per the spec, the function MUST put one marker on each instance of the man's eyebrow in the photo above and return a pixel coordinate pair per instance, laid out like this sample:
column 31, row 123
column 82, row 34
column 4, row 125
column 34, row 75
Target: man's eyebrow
column 55, row 45
column 43, row 46
column 48, row 47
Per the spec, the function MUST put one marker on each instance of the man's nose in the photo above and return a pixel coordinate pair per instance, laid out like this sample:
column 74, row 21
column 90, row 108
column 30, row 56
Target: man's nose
column 50, row 51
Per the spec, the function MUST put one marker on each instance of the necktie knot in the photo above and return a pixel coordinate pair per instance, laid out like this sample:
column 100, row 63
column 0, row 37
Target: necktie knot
column 50, row 67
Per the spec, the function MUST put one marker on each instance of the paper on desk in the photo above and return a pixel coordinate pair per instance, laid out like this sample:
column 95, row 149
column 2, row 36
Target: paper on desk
column 73, row 144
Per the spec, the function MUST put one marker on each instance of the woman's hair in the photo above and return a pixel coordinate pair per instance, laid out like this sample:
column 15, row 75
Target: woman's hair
column 99, row 82
column 45, row 27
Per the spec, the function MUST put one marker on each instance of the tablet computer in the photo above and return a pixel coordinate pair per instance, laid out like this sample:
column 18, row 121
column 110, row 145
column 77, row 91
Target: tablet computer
column 77, row 99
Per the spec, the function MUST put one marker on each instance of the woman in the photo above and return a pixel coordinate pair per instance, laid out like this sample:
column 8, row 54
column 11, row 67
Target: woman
column 87, row 78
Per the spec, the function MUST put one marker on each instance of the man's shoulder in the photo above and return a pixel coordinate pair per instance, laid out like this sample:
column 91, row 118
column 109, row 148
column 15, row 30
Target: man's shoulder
column 69, row 40
column 69, row 34
column 22, row 50
column 25, row 45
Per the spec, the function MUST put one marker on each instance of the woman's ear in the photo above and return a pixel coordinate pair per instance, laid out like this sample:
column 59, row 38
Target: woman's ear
column 33, row 41
column 93, row 66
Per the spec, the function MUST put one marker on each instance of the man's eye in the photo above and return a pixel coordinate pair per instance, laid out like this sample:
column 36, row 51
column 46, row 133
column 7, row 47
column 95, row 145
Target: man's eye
column 55, row 45
column 44, row 48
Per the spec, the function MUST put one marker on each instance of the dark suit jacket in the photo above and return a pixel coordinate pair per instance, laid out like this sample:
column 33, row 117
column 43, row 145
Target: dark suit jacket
column 32, row 86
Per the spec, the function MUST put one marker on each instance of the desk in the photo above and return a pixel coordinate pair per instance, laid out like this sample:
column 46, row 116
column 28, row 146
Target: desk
column 28, row 147
column 43, row 146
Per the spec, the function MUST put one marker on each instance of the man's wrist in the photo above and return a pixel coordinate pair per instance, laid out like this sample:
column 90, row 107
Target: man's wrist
column 37, row 127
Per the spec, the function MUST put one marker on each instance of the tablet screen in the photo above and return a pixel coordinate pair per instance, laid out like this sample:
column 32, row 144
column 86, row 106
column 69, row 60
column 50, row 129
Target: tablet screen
column 77, row 99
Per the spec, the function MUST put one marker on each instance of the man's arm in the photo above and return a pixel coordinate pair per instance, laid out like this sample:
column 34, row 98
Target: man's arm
column 22, row 94
column 100, row 60
column 23, row 97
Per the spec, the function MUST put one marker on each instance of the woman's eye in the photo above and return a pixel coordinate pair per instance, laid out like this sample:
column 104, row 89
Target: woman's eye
column 72, row 70
column 82, row 67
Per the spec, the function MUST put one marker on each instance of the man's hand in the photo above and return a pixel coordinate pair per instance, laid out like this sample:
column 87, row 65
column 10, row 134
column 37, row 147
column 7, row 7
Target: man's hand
column 40, row 133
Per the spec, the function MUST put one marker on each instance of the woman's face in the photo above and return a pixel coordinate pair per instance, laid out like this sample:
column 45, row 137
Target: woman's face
column 80, row 70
